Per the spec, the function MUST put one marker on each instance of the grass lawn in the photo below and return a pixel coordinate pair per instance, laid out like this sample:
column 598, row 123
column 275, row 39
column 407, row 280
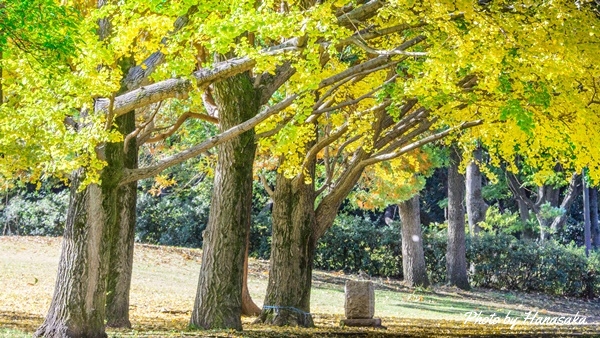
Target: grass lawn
column 164, row 286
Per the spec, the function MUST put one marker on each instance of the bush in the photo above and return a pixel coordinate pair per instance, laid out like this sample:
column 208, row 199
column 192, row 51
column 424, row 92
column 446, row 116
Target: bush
column 504, row 262
column 35, row 213
column 435, row 242
column 354, row 243
column 260, row 236
column 177, row 218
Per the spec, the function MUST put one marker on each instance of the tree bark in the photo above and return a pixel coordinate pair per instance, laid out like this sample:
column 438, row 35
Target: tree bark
column 594, row 218
column 456, row 261
column 219, row 296
column 122, row 235
column 78, row 305
column 413, row 258
column 476, row 206
column 287, row 301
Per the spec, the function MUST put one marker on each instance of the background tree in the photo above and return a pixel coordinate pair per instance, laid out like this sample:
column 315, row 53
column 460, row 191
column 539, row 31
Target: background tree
column 456, row 260
column 475, row 204
column 413, row 259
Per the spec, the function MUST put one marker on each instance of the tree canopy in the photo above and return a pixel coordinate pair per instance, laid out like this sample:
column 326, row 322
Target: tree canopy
column 526, row 70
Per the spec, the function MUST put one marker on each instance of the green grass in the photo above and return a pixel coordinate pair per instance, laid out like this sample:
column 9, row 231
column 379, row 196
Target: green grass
column 10, row 333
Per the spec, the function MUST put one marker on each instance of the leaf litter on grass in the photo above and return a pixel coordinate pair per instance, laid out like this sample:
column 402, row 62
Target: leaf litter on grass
column 164, row 285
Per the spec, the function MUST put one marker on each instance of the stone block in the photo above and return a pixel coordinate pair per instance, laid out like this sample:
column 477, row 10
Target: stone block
column 360, row 300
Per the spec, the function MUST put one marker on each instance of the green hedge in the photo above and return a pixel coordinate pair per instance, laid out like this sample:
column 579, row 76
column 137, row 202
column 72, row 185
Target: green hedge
column 37, row 213
column 504, row 262
column 501, row 260
column 355, row 243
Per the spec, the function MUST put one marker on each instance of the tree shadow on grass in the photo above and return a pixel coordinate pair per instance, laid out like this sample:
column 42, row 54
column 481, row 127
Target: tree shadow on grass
column 20, row 321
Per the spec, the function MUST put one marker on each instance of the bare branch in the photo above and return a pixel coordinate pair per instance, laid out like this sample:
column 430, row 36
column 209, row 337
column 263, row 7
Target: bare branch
column 132, row 175
column 182, row 118
column 359, row 14
column 140, row 128
column 368, row 49
column 176, row 88
column 402, row 126
column 517, row 189
column 314, row 150
column 354, row 101
column 420, row 143
column 266, row 185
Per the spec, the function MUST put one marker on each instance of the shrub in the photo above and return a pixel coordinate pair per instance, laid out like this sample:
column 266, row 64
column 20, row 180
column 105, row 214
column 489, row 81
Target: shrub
column 435, row 242
column 35, row 213
column 260, row 236
column 355, row 243
column 177, row 218
column 504, row 262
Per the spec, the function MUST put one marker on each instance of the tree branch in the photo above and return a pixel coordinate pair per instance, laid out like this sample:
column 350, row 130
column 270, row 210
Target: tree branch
column 572, row 192
column 176, row 88
column 182, row 118
column 518, row 191
column 132, row 175
column 139, row 74
column 314, row 150
column 402, row 126
column 266, row 185
column 420, row 143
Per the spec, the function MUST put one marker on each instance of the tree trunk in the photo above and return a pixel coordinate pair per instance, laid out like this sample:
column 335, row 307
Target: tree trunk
column 594, row 218
column 570, row 195
column 413, row 258
column 78, row 305
column 219, row 296
column 249, row 308
column 287, row 301
column 456, row 261
column 122, row 236
column 587, row 233
column 476, row 206
column 524, row 216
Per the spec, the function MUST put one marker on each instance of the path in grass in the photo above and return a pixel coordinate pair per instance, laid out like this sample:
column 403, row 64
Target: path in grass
column 164, row 285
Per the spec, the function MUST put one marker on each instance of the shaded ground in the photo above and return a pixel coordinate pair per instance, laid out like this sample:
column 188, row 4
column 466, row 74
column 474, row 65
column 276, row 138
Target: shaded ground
column 164, row 285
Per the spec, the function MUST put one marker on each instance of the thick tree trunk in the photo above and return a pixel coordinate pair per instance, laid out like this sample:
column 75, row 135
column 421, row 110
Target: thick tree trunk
column 594, row 218
column 413, row 258
column 78, row 305
column 219, row 296
column 456, row 261
column 249, row 308
column 287, row 301
column 122, row 235
column 476, row 206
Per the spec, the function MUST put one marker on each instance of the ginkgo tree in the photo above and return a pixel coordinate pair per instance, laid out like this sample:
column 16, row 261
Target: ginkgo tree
column 363, row 82
column 112, row 41
column 498, row 63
